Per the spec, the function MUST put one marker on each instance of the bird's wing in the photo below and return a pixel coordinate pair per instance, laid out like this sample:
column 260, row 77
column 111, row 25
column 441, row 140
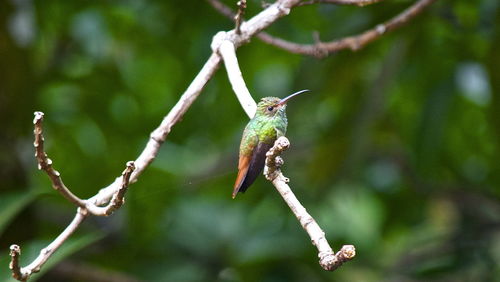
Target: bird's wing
column 244, row 159
column 250, row 167
column 243, row 166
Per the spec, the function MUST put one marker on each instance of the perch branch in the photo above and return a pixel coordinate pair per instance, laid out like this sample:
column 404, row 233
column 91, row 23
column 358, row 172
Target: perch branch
column 328, row 259
column 45, row 164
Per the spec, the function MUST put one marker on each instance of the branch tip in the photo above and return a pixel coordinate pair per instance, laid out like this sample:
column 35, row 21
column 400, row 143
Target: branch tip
column 126, row 176
column 38, row 117
column 118, row 198
column 242, row 5
column 15, row 253
column 128, row 171
column 330, row 261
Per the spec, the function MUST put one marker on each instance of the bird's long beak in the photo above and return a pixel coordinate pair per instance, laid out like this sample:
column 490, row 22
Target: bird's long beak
column 284, row 100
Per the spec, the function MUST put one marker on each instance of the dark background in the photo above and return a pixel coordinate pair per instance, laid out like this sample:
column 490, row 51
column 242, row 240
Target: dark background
column 395, row 150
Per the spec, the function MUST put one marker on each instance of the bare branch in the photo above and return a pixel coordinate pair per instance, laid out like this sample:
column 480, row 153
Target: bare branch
column 115, row 203
column 242, row 5
column 327, row 258
column 45, row 164
column 228, row 53
column 118, row 198
column 354, row 43
column 15, row 253
column 323, row 49
column 22, row 274
column 359, row 3
column 84, row 207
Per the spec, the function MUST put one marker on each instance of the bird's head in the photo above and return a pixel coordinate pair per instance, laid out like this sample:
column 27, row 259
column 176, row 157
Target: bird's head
column 270, row 106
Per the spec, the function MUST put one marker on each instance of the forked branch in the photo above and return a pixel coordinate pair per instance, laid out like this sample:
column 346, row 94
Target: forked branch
column 85, row 208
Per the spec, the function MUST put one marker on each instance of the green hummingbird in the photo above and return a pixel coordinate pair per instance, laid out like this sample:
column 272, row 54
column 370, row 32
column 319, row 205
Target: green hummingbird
column 259, row 135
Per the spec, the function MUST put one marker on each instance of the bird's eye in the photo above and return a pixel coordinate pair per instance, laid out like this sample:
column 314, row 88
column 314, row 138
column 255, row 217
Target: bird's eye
column 270, row 108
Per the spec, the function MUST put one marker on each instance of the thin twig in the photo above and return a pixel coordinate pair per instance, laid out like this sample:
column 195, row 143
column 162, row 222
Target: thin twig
column 228, row 53
column 327, row 258
column 353, row 43
column 118, row 198
column 242, row 5
column 84, row 207
column 45, row 164
column 15, row 253
column 22, row 274
column 359, row 3
column 116, row 201
column 323, row 49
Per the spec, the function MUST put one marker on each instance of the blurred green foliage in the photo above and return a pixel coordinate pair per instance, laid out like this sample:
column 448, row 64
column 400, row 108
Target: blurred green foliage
column 395, row 150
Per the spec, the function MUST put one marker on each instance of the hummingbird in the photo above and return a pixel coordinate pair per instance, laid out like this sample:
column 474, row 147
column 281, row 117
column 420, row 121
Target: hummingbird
column 268, row 124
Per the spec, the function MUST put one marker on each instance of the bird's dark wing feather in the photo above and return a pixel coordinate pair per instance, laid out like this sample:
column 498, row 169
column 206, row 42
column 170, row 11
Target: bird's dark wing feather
column 243, row 166
column 255, row 168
